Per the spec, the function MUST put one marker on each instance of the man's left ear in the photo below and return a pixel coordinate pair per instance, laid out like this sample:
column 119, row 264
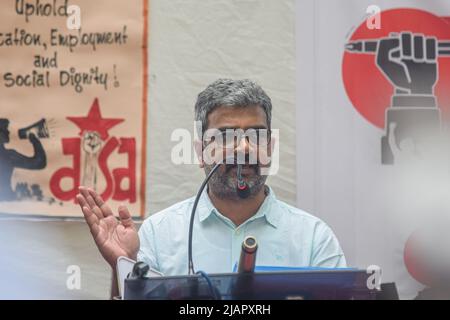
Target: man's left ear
column 198, row 146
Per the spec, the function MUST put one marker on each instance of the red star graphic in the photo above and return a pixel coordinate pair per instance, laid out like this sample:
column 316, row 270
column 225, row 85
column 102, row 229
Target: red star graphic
column 95, row 122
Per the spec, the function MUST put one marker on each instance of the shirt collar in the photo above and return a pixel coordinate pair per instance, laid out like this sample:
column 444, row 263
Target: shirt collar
column 268, row 209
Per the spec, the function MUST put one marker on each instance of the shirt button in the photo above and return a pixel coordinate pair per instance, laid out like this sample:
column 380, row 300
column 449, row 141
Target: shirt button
column 238, row 232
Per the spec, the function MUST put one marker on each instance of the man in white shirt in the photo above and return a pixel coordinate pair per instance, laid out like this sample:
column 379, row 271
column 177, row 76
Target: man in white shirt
column 286, row 236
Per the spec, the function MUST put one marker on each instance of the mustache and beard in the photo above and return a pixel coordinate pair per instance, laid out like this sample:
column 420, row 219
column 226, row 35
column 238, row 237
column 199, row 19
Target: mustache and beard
column 223, row 183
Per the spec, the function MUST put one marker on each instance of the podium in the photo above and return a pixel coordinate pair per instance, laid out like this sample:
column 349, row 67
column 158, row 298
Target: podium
column 332, row 284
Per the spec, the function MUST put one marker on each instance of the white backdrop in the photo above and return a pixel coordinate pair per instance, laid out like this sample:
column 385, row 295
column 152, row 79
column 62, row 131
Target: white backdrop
column 340, row 177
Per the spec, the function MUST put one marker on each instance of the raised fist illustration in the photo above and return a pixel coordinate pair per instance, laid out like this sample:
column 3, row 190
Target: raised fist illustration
column 409, row 61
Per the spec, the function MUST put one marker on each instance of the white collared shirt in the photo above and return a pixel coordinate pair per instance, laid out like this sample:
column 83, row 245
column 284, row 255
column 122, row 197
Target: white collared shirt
column 286, row 236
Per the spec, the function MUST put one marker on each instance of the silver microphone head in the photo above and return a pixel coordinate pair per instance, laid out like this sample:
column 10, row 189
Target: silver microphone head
column 247, row 260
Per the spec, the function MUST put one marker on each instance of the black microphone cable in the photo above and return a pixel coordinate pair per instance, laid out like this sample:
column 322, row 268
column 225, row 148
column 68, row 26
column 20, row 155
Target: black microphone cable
column 242, row 190
column 194, row 208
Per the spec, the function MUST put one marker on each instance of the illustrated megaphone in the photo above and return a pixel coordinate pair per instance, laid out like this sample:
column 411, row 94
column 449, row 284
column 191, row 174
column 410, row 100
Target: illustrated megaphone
column 39, row 129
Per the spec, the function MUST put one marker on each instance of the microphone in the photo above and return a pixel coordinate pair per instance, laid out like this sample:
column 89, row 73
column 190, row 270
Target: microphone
column 247, row 261
column 140, row 270
column 242, row 189
column 244, row 286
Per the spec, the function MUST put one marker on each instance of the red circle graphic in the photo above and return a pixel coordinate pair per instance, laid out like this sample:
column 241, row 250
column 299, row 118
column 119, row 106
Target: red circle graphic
column 367, row 88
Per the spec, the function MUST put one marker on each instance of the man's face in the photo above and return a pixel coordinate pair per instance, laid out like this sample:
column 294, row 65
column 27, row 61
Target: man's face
column 4, row 134
column 249, row 119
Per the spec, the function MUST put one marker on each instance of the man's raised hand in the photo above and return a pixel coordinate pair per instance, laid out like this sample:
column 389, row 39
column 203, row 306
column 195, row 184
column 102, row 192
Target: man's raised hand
column 113, row 237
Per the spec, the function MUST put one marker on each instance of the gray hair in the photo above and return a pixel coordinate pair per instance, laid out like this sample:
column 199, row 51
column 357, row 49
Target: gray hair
column 231, row 93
